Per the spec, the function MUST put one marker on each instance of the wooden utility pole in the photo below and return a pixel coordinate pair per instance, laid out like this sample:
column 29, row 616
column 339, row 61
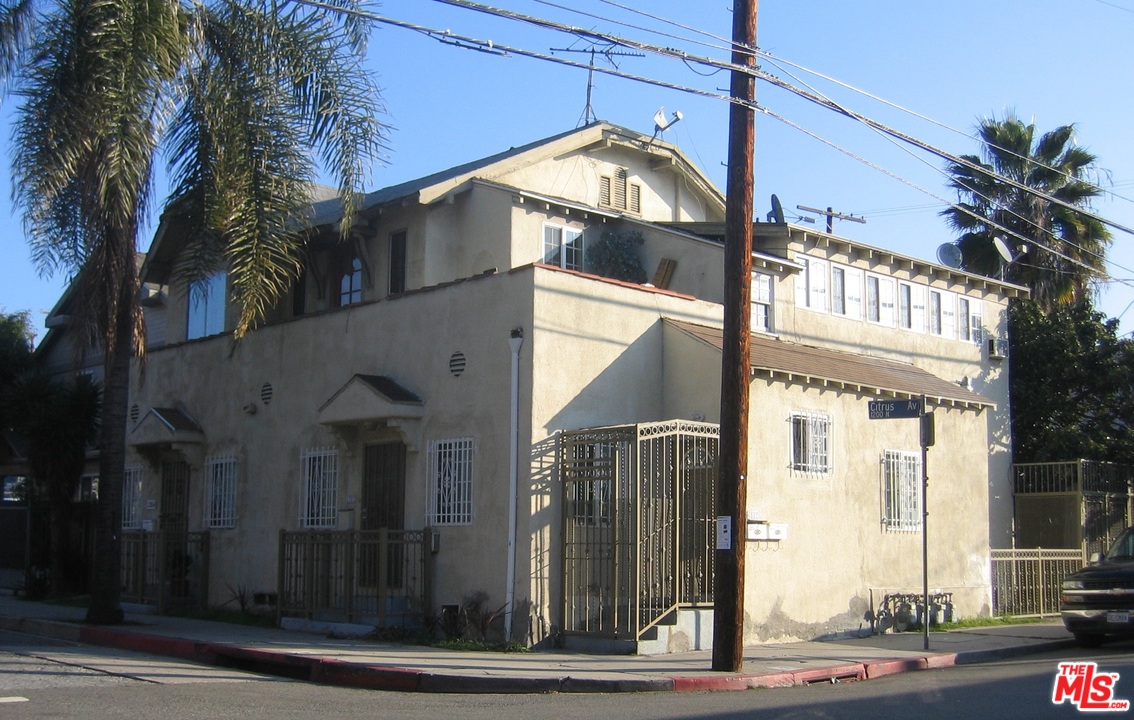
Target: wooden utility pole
column 732, row 488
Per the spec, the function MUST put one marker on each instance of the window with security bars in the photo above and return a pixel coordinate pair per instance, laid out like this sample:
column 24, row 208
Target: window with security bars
column 132, row 498
column 901, row 491
column 320, row 487
column 220, row 473
column 450, row 482
column 811, row 443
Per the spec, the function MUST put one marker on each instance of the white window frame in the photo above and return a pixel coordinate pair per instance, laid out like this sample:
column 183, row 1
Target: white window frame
column 450, row 482
column 881, row 294
column 853, row 278
column 132, row 498
column 319, row 504
column 558, row 246
column 964, row 319
column 901, row 491
column 916, row 309
column 976, row 321
column 811, row 451
column 207, row 301
column 762, row 302
column 220, row 493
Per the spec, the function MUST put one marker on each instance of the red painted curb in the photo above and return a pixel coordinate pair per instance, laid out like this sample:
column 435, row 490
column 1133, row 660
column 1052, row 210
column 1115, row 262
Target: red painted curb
column 833, row 673
column 733, row 682
column 368, row 677
column 941, row 661
column 154, row 644
column 881, row 668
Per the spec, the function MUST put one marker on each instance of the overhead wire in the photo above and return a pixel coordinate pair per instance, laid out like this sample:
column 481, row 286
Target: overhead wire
column 776, row 60
column 496, row 48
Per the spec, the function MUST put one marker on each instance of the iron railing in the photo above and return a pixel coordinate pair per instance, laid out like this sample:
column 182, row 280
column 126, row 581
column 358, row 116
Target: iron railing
column 1026, row 582
column 376, row 577
column 165, row 569
column 639, row 528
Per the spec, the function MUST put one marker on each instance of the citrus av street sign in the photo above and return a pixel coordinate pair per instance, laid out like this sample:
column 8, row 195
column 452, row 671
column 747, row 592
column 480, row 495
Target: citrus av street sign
column 894, row 409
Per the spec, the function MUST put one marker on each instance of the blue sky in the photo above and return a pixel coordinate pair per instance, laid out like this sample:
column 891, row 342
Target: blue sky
column 1051, row 61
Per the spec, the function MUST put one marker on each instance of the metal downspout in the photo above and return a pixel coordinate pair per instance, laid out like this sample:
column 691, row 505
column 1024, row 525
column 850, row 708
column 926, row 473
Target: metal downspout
column 515, row 341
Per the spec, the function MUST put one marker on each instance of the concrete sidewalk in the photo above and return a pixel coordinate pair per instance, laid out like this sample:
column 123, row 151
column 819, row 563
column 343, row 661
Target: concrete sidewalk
column 387, row 666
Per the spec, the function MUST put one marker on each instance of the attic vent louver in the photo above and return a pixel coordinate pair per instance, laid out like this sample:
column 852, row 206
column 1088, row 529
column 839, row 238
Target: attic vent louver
column 457, row 363
column 134, row 412
column 266, row 393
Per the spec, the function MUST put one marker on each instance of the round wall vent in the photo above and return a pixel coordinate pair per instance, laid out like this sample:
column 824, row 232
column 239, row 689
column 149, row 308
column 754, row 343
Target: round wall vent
column 457, row 364
column 266, row 393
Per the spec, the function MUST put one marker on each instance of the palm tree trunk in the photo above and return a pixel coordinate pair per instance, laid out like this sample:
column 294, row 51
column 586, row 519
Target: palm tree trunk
column 106, row 579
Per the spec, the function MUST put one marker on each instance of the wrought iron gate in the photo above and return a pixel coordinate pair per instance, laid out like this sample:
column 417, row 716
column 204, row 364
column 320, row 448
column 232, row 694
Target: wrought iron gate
column 638, row 519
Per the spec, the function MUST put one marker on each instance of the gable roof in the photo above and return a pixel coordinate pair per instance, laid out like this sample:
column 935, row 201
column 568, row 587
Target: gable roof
column 326, row 209
column 790, row 361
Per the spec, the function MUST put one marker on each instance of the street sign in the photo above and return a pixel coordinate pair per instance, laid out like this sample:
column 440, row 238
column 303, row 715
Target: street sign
column 894, row 409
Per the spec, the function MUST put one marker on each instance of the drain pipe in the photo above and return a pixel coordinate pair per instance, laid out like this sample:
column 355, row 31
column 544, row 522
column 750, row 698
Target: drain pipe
column 515, row 342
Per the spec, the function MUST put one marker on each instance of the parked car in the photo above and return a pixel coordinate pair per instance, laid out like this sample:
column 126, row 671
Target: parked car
column 1098, row 600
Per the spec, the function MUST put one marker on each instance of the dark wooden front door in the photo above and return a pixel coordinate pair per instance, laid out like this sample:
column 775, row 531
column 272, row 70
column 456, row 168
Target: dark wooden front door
column 383, row 508
column 384, row 487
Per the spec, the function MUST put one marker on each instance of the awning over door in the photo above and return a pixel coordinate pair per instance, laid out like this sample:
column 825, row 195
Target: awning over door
column 374, row 399
column 165, row 426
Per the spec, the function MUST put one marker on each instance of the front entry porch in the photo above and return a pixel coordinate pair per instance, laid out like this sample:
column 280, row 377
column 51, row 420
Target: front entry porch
column 639, row 529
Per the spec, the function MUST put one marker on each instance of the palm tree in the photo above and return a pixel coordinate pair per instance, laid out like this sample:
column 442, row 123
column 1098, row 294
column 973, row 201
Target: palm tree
column 1065, row 248
column 249, row 99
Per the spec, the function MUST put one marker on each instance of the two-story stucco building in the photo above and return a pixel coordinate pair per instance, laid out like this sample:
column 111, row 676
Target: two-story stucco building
column 458, row 367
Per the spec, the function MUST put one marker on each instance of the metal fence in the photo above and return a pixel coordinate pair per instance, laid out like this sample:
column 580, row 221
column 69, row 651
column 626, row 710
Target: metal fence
column 1073, row 503
column 639, row 529
column 1026, row 582
column 377, row 577
column 165, row 569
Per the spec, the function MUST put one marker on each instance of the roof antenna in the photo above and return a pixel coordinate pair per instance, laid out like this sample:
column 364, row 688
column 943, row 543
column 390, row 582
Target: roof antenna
column 610, row 53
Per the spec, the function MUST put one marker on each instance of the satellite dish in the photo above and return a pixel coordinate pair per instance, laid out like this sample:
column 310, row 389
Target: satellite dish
column 1004, row 250
column 777, row 214
column 950, row 255
column 662, row 123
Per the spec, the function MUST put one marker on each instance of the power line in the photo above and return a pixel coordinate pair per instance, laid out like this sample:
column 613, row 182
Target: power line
column 496, row 48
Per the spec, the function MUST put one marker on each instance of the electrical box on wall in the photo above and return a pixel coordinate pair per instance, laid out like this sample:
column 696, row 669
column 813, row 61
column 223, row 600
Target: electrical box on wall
column 757, row 531
column 777, row 531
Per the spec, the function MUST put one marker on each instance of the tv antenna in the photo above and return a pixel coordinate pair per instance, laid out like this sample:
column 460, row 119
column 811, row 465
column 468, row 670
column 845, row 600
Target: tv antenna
column 831, row 215
column 609, row 52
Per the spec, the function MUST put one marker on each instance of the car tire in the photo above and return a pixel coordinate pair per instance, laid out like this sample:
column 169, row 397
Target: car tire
column 1088, row 640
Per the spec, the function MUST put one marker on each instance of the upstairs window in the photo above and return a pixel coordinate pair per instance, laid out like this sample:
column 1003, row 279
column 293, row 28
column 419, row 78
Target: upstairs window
column 762, row 302
column 398, row 263
column 811, row 284
column 880, row 293
column 350, row 282
column 206, row 307
column 616, row 191
column 846, row 292
column 563, row 247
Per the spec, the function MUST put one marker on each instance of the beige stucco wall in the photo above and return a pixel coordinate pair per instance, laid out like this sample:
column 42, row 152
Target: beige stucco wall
column 838, row 561
column 306, row 361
